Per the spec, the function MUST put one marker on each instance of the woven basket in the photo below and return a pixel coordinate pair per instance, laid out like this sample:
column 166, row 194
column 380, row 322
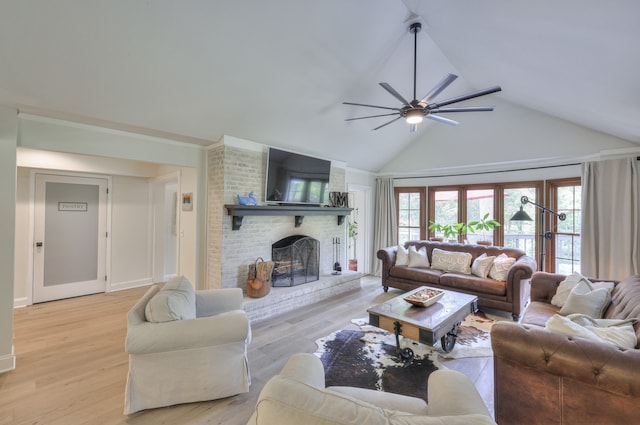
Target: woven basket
column 259, row 280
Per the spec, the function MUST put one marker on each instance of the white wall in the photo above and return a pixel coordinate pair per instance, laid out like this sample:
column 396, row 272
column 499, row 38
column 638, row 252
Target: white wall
column 130, row 233
column 510, row 136
column 8, row 143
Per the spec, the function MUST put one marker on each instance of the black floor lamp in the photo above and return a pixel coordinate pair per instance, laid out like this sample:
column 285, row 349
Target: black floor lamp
column 522, row 215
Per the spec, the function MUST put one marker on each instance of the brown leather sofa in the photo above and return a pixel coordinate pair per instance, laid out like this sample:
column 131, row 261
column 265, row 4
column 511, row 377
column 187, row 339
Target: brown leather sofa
column 510, row 296
column 548, row 378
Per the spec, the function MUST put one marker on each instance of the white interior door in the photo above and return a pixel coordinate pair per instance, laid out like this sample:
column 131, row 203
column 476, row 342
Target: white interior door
column 70, row 233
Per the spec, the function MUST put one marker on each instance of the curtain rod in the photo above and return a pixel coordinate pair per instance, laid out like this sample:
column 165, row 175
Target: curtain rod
column 493, row 172
column 489, row 172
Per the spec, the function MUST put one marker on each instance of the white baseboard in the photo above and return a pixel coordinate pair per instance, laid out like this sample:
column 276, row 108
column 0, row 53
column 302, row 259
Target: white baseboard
column 130, row 284
column 20, row 302
column 7, row 362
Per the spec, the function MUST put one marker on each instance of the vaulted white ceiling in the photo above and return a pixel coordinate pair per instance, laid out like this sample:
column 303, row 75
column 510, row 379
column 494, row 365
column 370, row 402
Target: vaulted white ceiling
column 277, row 72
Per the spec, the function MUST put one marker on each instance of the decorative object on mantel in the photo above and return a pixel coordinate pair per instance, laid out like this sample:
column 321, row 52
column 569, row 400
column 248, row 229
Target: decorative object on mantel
column 259, row 280
column 248, row 200
column 337, row 268
column 339, row 199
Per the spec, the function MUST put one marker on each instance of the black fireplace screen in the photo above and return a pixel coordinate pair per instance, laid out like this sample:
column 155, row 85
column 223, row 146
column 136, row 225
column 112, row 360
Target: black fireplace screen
column 296, row 261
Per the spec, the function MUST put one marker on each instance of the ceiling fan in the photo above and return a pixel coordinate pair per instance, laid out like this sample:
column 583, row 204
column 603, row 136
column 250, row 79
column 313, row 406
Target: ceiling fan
column 414, row 112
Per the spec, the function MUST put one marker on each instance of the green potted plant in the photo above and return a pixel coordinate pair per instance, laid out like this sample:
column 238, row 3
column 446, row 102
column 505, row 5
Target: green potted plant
column 435, row 228
column 485, row 224
column 452, row 231
column 352, row 230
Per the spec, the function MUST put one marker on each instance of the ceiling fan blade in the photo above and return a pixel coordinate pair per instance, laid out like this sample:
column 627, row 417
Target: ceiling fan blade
column 387, row 123
column 464, row 97
column 435, row 91
column 370, row 106
column 442, row 119
column 370, row 116
column 394, row 93
column 464, row 109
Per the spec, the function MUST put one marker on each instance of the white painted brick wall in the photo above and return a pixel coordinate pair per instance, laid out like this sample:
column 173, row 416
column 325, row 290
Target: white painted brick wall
column 233, row 171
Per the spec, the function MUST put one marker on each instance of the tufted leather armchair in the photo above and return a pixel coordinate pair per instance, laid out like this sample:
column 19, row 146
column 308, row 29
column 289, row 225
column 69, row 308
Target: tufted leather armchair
column 547, row 378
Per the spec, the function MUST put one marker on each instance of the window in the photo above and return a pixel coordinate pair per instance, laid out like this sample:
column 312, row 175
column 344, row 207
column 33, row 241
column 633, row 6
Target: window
column 499, row 201
column 410, row 205
column 479, row 203
column 520, row 234
column 444, row 204
column 565, row 196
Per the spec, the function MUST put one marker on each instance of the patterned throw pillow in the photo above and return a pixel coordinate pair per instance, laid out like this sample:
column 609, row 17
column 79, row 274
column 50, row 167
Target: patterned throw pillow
column 449, row 261
column 500, row 268
column 418, row 258
column 482, row 265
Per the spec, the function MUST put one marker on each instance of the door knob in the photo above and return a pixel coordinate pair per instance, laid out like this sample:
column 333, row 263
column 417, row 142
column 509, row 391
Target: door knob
column 39, row 244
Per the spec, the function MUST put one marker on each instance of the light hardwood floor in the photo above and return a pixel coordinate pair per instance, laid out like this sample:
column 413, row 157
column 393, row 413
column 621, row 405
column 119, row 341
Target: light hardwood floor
column 71, row 364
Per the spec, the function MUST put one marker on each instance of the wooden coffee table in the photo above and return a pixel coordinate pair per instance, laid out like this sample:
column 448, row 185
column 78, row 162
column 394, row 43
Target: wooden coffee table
column 427, row 325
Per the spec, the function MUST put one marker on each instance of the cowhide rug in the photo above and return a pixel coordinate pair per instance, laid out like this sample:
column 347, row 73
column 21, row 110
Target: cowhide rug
column 368, row 359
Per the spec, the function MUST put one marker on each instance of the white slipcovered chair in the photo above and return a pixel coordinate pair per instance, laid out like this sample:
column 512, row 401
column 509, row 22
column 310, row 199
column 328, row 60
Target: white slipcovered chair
column 298, row 396
column 186, row 346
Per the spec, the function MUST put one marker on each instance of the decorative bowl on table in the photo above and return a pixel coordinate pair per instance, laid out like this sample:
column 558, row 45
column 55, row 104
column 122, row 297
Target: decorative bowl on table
column 424, row 297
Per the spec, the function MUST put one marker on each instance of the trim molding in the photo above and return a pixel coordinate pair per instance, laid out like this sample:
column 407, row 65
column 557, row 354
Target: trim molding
column 8, row 362
column 130, row 284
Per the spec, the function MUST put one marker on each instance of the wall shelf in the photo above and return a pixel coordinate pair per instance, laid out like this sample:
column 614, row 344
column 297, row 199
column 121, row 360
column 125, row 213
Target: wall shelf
column 238, row 212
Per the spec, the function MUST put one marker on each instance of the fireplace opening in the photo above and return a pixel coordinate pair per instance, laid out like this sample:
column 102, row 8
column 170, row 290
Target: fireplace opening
column 296, row 261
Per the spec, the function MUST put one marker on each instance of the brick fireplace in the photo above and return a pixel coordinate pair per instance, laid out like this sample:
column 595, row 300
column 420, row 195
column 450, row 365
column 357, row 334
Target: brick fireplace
column 236, row 167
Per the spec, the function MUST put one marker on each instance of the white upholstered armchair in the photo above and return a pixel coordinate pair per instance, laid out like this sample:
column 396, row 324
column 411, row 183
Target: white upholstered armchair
column 186, row 346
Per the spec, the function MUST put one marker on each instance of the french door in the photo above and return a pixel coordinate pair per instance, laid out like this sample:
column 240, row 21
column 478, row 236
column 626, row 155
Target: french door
column 70, row 234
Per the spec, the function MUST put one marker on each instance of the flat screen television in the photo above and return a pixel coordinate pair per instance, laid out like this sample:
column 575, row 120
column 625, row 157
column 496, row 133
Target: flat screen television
column 293, row 178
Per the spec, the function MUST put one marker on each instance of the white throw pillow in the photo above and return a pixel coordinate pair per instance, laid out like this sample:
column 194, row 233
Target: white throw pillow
column 583, row 299
column 482, row 265
column 175, row 301
column 450, row 261
column 617, row 332
column 566, row 286
column 402, row 256
column 500, row 267
column 418, row 258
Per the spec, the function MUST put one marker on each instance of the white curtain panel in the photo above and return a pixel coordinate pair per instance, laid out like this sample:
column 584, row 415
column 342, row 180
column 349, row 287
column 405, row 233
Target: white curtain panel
column 385, row 232
column 610, row 225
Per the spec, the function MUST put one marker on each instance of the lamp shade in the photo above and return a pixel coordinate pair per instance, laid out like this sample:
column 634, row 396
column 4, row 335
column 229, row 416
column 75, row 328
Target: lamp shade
column 414, row 116
column 521, row 216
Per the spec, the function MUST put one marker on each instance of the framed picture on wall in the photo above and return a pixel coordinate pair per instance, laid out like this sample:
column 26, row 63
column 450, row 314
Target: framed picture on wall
column 187, row 201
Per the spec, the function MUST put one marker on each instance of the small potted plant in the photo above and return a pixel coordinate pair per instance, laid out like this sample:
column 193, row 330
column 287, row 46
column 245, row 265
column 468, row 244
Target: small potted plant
column 485, row 224
column 452, row 231
column 352, row 230
column 436, row 228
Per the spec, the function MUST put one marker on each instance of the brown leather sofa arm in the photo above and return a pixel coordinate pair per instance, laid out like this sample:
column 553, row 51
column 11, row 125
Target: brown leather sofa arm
column 544, row 286
column 388, row 257
column 523, row 268
column 594, row 363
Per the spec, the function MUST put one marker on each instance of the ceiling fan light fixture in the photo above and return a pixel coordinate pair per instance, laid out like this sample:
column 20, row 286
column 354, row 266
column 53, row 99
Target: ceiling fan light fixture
column 415, row 116
column 415, row 110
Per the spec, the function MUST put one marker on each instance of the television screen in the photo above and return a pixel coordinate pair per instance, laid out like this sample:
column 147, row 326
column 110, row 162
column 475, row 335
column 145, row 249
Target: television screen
column 296, row 179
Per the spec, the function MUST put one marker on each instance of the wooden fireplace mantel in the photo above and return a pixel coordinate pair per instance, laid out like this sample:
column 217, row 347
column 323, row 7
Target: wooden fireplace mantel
column 238, row 212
